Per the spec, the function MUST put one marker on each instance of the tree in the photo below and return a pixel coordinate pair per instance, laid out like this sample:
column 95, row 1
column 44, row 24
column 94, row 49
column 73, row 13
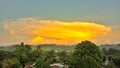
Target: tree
column 116, row 60
column 2, row 54
column 104, row 51
column 17, row 64
column 113, row 51
column 7, row 63
column 111, row 64
column 63, row 56
column 86, row 55
column 50, row 56
column 39, row 63
column 21, row 52
column 38, row 52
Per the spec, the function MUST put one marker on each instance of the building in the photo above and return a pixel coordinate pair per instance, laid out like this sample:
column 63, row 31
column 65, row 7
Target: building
column 58, row 65
column 29, row 65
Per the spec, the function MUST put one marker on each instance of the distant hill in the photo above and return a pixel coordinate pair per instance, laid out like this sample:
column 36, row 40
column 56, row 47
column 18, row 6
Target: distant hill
column 54, row 47
column 107, row 46
column 7, row 48
column 46, row 47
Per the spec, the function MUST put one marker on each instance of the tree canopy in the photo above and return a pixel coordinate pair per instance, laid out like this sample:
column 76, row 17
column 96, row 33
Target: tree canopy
column 87, row 55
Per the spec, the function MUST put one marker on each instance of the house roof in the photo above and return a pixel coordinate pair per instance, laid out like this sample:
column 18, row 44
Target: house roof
column 57, row 64
column 30, row 63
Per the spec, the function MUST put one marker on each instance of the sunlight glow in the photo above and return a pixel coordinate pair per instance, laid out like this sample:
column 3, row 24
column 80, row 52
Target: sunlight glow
column 53, row 31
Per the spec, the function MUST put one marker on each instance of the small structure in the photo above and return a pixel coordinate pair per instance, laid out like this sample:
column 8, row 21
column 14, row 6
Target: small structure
column 29, row 65
column 58, row 65
column 107, row 61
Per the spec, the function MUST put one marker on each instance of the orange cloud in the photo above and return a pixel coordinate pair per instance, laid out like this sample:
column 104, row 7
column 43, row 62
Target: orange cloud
column 53, row 31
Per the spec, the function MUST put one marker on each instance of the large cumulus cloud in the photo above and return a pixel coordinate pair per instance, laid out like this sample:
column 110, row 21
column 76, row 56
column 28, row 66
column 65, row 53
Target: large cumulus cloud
column 54, row 31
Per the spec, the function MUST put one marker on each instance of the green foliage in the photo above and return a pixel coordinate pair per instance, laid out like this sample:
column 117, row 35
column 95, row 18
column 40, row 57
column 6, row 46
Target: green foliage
column 104, row 51
column 38, row 52
column 111, row 64
column 63, row 57
column 21, row 52
column 39, row 63
column 2, row 54
column 17, row 64
column 86, row 55
column 7, row 63
column 113, row 51
column 50, row 56
column 116, row 60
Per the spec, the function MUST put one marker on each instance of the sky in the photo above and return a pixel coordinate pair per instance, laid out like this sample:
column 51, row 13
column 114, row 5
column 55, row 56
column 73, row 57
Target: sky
column 59, row 21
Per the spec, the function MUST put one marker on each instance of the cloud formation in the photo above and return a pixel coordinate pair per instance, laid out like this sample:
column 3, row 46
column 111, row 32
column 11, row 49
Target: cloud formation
column 54, row 31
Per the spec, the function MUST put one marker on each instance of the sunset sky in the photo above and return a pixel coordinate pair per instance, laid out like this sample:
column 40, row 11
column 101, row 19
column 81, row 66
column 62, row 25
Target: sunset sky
column 59, row 21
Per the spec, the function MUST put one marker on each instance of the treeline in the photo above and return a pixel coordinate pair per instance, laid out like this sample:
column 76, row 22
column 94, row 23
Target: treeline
column 84, row 55
column 45, row 47
column 112, row 52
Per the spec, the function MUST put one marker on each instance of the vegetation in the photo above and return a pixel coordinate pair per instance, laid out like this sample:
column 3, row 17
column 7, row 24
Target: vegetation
column 87, row 55
column 83, row 55
column 113, row 53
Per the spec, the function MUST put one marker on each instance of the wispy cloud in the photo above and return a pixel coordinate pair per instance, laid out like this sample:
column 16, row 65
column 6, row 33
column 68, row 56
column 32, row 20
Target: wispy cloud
column 54, row 31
